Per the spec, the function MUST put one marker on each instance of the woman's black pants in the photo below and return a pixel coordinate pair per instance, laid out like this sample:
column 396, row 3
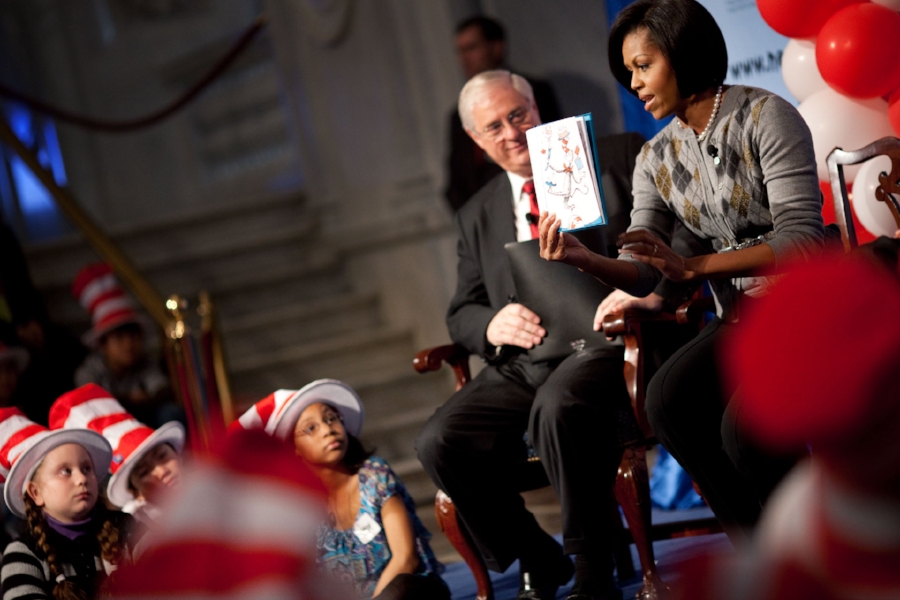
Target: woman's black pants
column 407, row 586
column 696, row 416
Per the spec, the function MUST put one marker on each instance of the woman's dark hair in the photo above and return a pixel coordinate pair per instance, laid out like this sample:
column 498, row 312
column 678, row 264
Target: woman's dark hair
column 356, row 455
column 685, row 33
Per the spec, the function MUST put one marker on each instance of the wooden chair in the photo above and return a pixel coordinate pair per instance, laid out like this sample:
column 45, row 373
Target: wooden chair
column 631, row 489
column 889, row 183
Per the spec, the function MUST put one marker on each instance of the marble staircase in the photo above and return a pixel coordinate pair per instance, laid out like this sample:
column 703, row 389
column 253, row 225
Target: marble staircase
column 291, row 310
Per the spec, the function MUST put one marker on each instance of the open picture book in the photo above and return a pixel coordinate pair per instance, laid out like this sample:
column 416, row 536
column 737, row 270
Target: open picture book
column 566, row 171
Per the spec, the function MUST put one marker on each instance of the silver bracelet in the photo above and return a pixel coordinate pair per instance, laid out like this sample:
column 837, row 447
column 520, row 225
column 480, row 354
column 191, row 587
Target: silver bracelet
column 749, row 242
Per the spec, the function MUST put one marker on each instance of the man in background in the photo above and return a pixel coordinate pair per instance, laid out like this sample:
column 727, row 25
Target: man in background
column 481, row 46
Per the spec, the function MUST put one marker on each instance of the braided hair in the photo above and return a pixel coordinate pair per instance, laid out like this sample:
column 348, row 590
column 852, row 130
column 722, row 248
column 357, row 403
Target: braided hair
column 109, row 536
column 37, row 525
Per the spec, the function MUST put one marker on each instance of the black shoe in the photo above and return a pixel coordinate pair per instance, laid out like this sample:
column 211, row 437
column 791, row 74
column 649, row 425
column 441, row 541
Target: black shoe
column 594, row 578
column 527, row 592
column 543, row 585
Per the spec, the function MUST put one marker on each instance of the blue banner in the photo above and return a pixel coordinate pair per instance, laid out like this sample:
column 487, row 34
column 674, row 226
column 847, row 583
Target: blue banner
column 754, row 48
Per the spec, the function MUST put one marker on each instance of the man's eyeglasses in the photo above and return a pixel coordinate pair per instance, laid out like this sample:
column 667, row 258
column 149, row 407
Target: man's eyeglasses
column 516, row 119
column 328, row 420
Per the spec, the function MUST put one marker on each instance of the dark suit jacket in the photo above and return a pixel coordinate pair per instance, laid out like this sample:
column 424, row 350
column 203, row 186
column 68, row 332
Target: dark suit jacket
column 486, row 224
column 470, row 169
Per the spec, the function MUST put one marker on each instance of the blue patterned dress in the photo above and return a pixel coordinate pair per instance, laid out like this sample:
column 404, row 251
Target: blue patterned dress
column 343, row 555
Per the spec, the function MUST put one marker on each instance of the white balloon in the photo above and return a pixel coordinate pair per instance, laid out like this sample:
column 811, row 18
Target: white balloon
column 891, row 4
column 838, row 121
column 799, row 70
column 873, row 214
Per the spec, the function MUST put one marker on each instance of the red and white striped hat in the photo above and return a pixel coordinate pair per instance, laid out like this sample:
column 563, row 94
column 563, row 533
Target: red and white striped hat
column 24, row 444
column 14, row 428
column 243, row 526
column 832, row 390
column 92, row 407
column 99, row 292
column 277, row 413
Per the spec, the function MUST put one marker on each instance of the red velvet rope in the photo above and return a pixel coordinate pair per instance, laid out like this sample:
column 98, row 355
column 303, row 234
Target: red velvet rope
column 147, row 120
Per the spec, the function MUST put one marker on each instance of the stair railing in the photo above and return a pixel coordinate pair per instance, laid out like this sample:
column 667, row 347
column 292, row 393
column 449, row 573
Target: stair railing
column 199, row 378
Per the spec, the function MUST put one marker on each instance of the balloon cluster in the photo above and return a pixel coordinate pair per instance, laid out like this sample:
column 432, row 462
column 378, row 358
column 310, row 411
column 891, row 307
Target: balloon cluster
column 843, row 65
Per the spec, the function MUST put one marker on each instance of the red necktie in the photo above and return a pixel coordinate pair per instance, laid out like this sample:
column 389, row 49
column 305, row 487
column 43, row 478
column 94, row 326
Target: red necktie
column 535, row 213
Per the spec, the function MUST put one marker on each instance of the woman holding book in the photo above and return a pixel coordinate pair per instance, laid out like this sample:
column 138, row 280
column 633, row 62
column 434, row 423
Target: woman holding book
column 736, row 167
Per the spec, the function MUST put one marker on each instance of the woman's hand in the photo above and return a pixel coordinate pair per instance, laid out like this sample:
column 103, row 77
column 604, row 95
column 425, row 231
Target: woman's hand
column 649, row 249
column 618, row 301
column 557, row 246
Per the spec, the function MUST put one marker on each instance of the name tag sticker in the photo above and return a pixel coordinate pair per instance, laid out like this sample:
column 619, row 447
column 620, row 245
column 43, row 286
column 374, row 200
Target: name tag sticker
column 366, row 528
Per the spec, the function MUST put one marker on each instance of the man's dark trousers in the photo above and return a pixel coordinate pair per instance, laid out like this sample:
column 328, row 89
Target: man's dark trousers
column 571, row 411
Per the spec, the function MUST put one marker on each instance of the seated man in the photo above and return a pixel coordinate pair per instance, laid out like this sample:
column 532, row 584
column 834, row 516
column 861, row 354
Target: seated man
column 119, row 361
column 569, row 407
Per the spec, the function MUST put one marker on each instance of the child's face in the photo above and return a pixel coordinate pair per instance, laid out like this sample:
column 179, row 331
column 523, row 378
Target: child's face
column 319, row 435
column 157, row 471
column 65, row 484
column 122, row 348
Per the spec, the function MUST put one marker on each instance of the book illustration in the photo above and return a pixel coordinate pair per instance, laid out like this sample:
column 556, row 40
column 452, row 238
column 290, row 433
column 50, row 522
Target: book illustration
column 564, row 172
column 563, row 177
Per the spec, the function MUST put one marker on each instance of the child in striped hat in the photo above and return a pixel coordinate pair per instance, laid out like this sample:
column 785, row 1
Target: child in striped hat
column 145, row 463
column 119, row 362
column 372, row 538
column 242, row 527
column 72, row 542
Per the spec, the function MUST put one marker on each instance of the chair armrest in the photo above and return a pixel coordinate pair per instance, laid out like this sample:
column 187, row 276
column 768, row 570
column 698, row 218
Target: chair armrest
column 625, row 321
column 691, row 312
column 456, row 357
column 627, row 324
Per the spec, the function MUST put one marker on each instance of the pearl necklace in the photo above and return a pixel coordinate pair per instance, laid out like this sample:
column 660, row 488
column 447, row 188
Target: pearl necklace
column 702, row 135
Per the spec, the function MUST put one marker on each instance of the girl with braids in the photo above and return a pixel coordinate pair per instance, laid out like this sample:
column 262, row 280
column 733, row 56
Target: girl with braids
column 72, row 542
column 373, row 539
column 146, row 463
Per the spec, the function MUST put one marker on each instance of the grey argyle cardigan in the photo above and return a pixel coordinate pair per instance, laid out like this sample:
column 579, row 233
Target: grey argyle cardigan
column 765, row 184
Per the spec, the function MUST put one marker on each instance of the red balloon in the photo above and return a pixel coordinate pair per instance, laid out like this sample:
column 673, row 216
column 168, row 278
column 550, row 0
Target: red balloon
column 800, row 18
column 827, row 202
column 894, row 111
column 858, row 51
